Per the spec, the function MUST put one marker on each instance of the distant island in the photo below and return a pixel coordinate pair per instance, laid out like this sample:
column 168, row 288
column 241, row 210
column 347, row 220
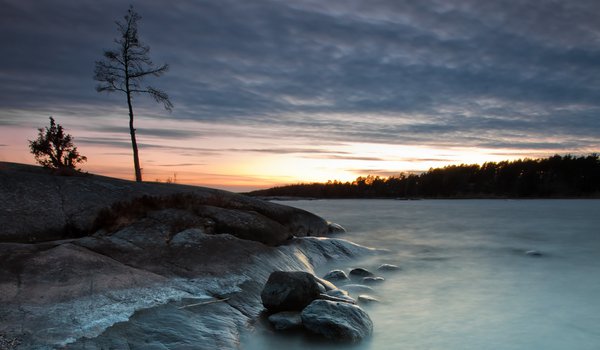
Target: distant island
column 558, row 176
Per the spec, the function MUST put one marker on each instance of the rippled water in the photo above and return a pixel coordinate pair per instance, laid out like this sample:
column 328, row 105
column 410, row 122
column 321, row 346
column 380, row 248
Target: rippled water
column 466, row 282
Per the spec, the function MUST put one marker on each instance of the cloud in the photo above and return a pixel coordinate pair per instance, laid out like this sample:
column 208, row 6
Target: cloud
column 465, row 72
column 155, row 132
column 344, row 157
column 123, row 143
column 281, row 150
column 180, row 165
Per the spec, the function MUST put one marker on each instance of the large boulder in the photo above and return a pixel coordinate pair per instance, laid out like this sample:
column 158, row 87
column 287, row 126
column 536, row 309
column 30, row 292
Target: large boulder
column 337, row 321
column 289, row 291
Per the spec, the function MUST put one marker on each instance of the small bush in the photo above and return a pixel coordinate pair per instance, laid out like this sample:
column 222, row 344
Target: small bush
column 54, row 149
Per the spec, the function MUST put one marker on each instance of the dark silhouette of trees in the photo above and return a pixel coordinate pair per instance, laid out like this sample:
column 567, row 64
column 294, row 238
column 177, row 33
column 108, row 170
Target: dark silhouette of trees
column 54, row 149
column 553, row 177
column 124, row 69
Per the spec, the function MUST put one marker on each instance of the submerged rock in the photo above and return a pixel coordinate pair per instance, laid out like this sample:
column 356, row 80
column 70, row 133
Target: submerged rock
column 342, row 295
column 337, row 321
column 358, row 288
column 388, row 267
column 332, row 227
column 367, row 299
column 289, row 290
column 535, row 253
column 360, row 272
column 373, row 280
column 286, row 320
column 336, row 275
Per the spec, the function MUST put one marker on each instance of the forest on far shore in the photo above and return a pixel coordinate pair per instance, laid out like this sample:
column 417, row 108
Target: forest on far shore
column 554, row 177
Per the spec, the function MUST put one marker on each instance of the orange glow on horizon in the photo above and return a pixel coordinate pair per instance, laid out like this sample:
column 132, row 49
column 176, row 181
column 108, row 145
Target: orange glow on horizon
column 241, row 163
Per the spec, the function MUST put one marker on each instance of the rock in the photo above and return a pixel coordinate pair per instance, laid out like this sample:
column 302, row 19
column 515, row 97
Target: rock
column 535, row 253
column 367, row 299
column 341, row 294
column 358, row 288
column 388, row 267
column 337, row 321
column 289, row 291
column 332, row 227
column 326, row 284
column 72, row 206
column 248, row 225
column 373, row 280
column 360, row 272
column 336, row 275
column 187, row 237
column 286, row 320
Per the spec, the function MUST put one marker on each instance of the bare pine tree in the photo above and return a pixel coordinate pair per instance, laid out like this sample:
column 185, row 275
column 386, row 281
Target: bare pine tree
column 124, row 69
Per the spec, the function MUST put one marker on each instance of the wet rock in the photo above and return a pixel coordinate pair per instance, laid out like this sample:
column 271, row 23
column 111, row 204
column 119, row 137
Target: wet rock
column 367, row 299
column 332, row 227
column 388, row 267
column 337, row 321
column 336, row 275
column 360, row 272
column 289, row 291
column 373, row 280
column 358, row 288
column 286, row 320
column 342, row 295
column 326, row 284
column 535, row 253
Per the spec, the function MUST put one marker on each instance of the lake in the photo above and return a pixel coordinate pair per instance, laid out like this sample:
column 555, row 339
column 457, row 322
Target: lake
column 466, row 281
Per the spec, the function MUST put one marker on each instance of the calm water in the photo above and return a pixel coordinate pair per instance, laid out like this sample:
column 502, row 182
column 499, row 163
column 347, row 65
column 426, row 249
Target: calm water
column 466, row 282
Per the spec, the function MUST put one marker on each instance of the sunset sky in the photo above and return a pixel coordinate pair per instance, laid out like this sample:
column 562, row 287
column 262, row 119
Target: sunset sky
column 276, row 92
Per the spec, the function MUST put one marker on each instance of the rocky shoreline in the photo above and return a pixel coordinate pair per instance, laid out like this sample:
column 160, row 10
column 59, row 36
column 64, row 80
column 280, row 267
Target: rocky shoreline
column 89, row 261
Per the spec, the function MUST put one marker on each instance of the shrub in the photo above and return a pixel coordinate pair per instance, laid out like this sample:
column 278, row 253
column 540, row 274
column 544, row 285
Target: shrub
column 54, row 149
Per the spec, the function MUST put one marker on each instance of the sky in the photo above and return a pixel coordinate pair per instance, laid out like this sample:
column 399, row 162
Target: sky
column 277, row 92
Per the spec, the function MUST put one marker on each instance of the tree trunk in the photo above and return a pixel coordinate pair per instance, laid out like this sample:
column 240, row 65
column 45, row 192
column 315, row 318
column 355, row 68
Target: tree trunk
column 136, row 159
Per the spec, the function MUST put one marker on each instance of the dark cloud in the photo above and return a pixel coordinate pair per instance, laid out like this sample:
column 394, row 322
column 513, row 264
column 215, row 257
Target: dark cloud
column 124, row 143
column 469, row 73
column 162, row 133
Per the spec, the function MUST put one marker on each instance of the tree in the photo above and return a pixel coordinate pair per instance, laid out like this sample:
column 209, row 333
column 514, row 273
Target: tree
column 54, row 149
column 124, row 69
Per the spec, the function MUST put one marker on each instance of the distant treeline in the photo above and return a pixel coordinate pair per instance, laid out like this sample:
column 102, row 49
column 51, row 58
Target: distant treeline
column 553, row 177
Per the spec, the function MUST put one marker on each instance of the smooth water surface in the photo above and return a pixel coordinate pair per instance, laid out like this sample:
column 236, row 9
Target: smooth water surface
column 466, row 280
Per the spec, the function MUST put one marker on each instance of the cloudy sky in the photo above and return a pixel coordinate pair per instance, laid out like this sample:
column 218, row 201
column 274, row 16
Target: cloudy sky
column 272, row 92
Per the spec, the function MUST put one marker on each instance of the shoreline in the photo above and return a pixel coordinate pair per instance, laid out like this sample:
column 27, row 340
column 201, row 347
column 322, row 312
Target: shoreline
column 289, row 198
column 90, row 259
